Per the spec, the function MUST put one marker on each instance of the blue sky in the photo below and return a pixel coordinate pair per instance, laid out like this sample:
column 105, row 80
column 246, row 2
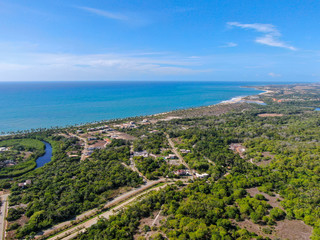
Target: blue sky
column 207, row 40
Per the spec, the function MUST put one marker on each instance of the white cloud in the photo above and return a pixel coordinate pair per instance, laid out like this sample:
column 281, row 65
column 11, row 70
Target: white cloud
column 107, row 14
column 271, row 34
column 41, row 66
column 229, row 44
column 271, row 74
column 136, row 19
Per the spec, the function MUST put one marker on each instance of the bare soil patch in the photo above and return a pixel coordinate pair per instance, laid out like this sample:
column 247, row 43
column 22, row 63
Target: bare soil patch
column 263, row 163
column 121, row 135
column 99, row 144
column 286, row 229
column 270, row 115
column 26, row 155
column 153, row 221
column 272, row 200
column 252, row 227
column 267, row 155
column 21, row 221
column 293, row 230
column 177, row 140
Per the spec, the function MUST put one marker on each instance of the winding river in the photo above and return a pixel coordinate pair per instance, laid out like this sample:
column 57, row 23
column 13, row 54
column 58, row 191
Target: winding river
column 46, row 157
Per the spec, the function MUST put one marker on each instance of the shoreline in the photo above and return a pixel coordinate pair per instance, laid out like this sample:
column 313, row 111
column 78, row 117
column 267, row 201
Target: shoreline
column 233, row 100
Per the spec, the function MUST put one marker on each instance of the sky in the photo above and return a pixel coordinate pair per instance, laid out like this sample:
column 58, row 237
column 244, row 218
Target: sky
column 170, row 40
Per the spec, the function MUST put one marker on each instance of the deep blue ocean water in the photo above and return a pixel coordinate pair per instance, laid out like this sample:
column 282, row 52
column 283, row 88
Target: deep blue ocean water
column 46, row 104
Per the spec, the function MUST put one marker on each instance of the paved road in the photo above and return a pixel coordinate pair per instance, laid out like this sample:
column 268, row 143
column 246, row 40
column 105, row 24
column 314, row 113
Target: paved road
column 74, row 231
column 3, row 214
column 176, row 152
column 92, row 212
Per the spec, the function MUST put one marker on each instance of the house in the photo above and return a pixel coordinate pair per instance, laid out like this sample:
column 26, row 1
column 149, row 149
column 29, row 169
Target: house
column 141, row 154
column 180, row 172
column 93, row 148
column 185, row 151
column 27, row 182
column 171, row 156
column 92, row 138
column 153, row 131
column 127, row 125
column 88, row 153
column 203, row 175
column 4, row 149
column 237, row 147
column 79, row 131
column 9, row 162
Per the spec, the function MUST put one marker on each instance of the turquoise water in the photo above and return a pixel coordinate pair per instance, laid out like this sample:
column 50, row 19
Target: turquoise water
column 46, row 104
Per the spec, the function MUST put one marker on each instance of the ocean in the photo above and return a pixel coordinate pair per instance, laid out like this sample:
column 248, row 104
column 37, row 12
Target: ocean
column 32, row 105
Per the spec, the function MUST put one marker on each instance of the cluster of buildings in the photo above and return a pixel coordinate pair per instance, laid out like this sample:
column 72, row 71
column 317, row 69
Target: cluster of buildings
column 145, row 121
column 238, row 148
column 98, row 128
column 92, row 138
column 127, row 125
column 6, row 163
column 185, row 151
column 4, row 149
column 24, row 184
column 182, row 172
column 153, row 131
column 185, row 172
column 170, row 156
column 203, row 175
column 141, row 154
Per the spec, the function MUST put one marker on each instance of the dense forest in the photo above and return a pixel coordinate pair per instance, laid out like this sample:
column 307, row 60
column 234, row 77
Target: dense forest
column 66, row 186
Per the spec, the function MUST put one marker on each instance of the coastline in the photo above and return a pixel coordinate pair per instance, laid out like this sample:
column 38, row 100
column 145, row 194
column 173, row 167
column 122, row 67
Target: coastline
column 233, row 100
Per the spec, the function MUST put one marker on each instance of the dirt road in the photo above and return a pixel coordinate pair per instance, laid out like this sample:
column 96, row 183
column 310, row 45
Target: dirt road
column 3, row 214
column 83, row 156
column 176, row 152
column 133, row 165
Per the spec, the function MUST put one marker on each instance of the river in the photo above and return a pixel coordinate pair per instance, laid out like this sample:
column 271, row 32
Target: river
column 46, row 157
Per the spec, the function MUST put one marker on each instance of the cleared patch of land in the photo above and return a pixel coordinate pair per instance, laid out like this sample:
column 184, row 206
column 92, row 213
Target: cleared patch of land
column 285, row 229
column 270, row 115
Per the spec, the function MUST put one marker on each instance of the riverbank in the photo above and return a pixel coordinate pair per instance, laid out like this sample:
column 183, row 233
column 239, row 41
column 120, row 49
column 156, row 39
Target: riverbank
column 40, row 155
